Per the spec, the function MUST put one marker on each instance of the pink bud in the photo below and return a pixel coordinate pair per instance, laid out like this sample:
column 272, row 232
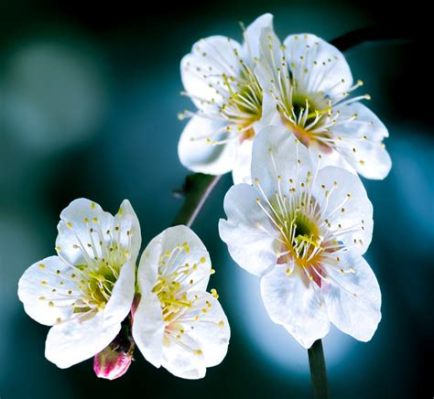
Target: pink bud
column 113, row 362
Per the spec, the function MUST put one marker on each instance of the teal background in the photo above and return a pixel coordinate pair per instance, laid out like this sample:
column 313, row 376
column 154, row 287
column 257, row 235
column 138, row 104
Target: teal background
column 88, row 101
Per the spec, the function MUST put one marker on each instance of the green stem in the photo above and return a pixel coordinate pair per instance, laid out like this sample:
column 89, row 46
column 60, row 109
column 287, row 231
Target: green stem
column 318, row 370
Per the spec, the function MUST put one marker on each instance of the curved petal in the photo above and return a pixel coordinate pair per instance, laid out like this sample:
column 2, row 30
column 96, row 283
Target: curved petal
column 48, row 290
column 148, row 329
column 83, row 223
column 75, row 341
column 129, row 229
column 269, row 70
column 360, row 140
column 204, row 342
column 280, row 160
column 176, row 247
column 204, row 71
column 295, row 304
column 121, row 299
column 252, row 34
column 317, row 66
column 197, row 151
column 353, row 299
column 243, row 161
column 345, row 205
column 80, row 338
column 247, row 231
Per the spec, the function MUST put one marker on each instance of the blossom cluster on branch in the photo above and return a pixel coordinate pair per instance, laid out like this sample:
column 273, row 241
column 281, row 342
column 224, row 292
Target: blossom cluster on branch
column 282, row 118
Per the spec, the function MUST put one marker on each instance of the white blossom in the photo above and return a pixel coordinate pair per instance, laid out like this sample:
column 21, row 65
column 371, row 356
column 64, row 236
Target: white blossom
column 304, row 230
column 86, row 291
column 309, row 84
column 219, row 76
column 177, row 324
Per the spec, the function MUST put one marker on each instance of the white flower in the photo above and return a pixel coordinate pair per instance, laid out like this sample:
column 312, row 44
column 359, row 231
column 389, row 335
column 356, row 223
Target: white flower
column 304, row 231
column 178, row 325
column 308, row 82
column 218, row 75
column 86, row 291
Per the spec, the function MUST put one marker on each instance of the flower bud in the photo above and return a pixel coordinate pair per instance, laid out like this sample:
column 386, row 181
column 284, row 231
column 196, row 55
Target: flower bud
column 113, row 362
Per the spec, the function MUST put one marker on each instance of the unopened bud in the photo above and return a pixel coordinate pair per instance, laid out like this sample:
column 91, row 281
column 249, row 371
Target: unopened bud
column 114, row 361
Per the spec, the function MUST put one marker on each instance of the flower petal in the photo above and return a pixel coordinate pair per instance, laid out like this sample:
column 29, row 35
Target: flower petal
column 148, row 329
column 205, row 341
column 295, row 304
column 279, row 159
column 353, row 299
column 247, row 230
column 172, row 249
column 198, row 154
column 129, row 229
column 121, row 299
column 317, row 66
column 253, row 33
column 203, row 70
column 268, row 70
column 242, row 165
column 345, row 205
column 75, row 341
column 361, row 141
column 80, row 338
column 48, row 290
column 75, row 242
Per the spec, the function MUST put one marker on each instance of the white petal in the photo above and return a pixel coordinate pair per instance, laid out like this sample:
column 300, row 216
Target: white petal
column 205, row 341
column 243, row 161
column 354, row 299
column 148, row 328
column 202, row 70
column 129, row 235
column 361, row 141
column 271, row 59
column 185, row 247
column 345, row 204
column 247, row 231
column 199, row 155
column 276, row 152
column 121, row 299
column 295, row 304
column 74, row 341
column 317, row 66
column 48, row 290
column 253, row 32
column 75, row 243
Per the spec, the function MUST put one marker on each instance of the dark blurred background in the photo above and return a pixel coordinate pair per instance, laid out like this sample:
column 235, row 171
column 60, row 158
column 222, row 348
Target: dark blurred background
column 89, row 95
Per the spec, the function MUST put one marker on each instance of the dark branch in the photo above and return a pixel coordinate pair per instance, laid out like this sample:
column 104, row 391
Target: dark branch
column 371, row 34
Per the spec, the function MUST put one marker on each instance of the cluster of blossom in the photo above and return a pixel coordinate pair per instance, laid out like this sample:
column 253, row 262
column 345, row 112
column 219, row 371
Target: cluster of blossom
column 281, row 118
column 92, row 290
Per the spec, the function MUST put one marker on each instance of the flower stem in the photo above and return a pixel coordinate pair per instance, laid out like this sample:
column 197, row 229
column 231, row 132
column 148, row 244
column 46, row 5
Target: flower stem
column 197, row 188
column 318, row 370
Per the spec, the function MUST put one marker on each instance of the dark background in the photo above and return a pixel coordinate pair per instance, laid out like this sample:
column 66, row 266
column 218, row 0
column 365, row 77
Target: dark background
column 89, row 95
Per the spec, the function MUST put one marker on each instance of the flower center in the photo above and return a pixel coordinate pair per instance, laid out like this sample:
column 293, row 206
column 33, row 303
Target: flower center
column 175, row 276
column 300, row 233
column 96, row 286
column 98, row 279
column 173, row 300
column 306, row 119
column 243, row 106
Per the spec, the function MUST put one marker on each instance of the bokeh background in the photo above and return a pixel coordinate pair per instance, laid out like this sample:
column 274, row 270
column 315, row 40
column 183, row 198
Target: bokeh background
column 89, row 95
